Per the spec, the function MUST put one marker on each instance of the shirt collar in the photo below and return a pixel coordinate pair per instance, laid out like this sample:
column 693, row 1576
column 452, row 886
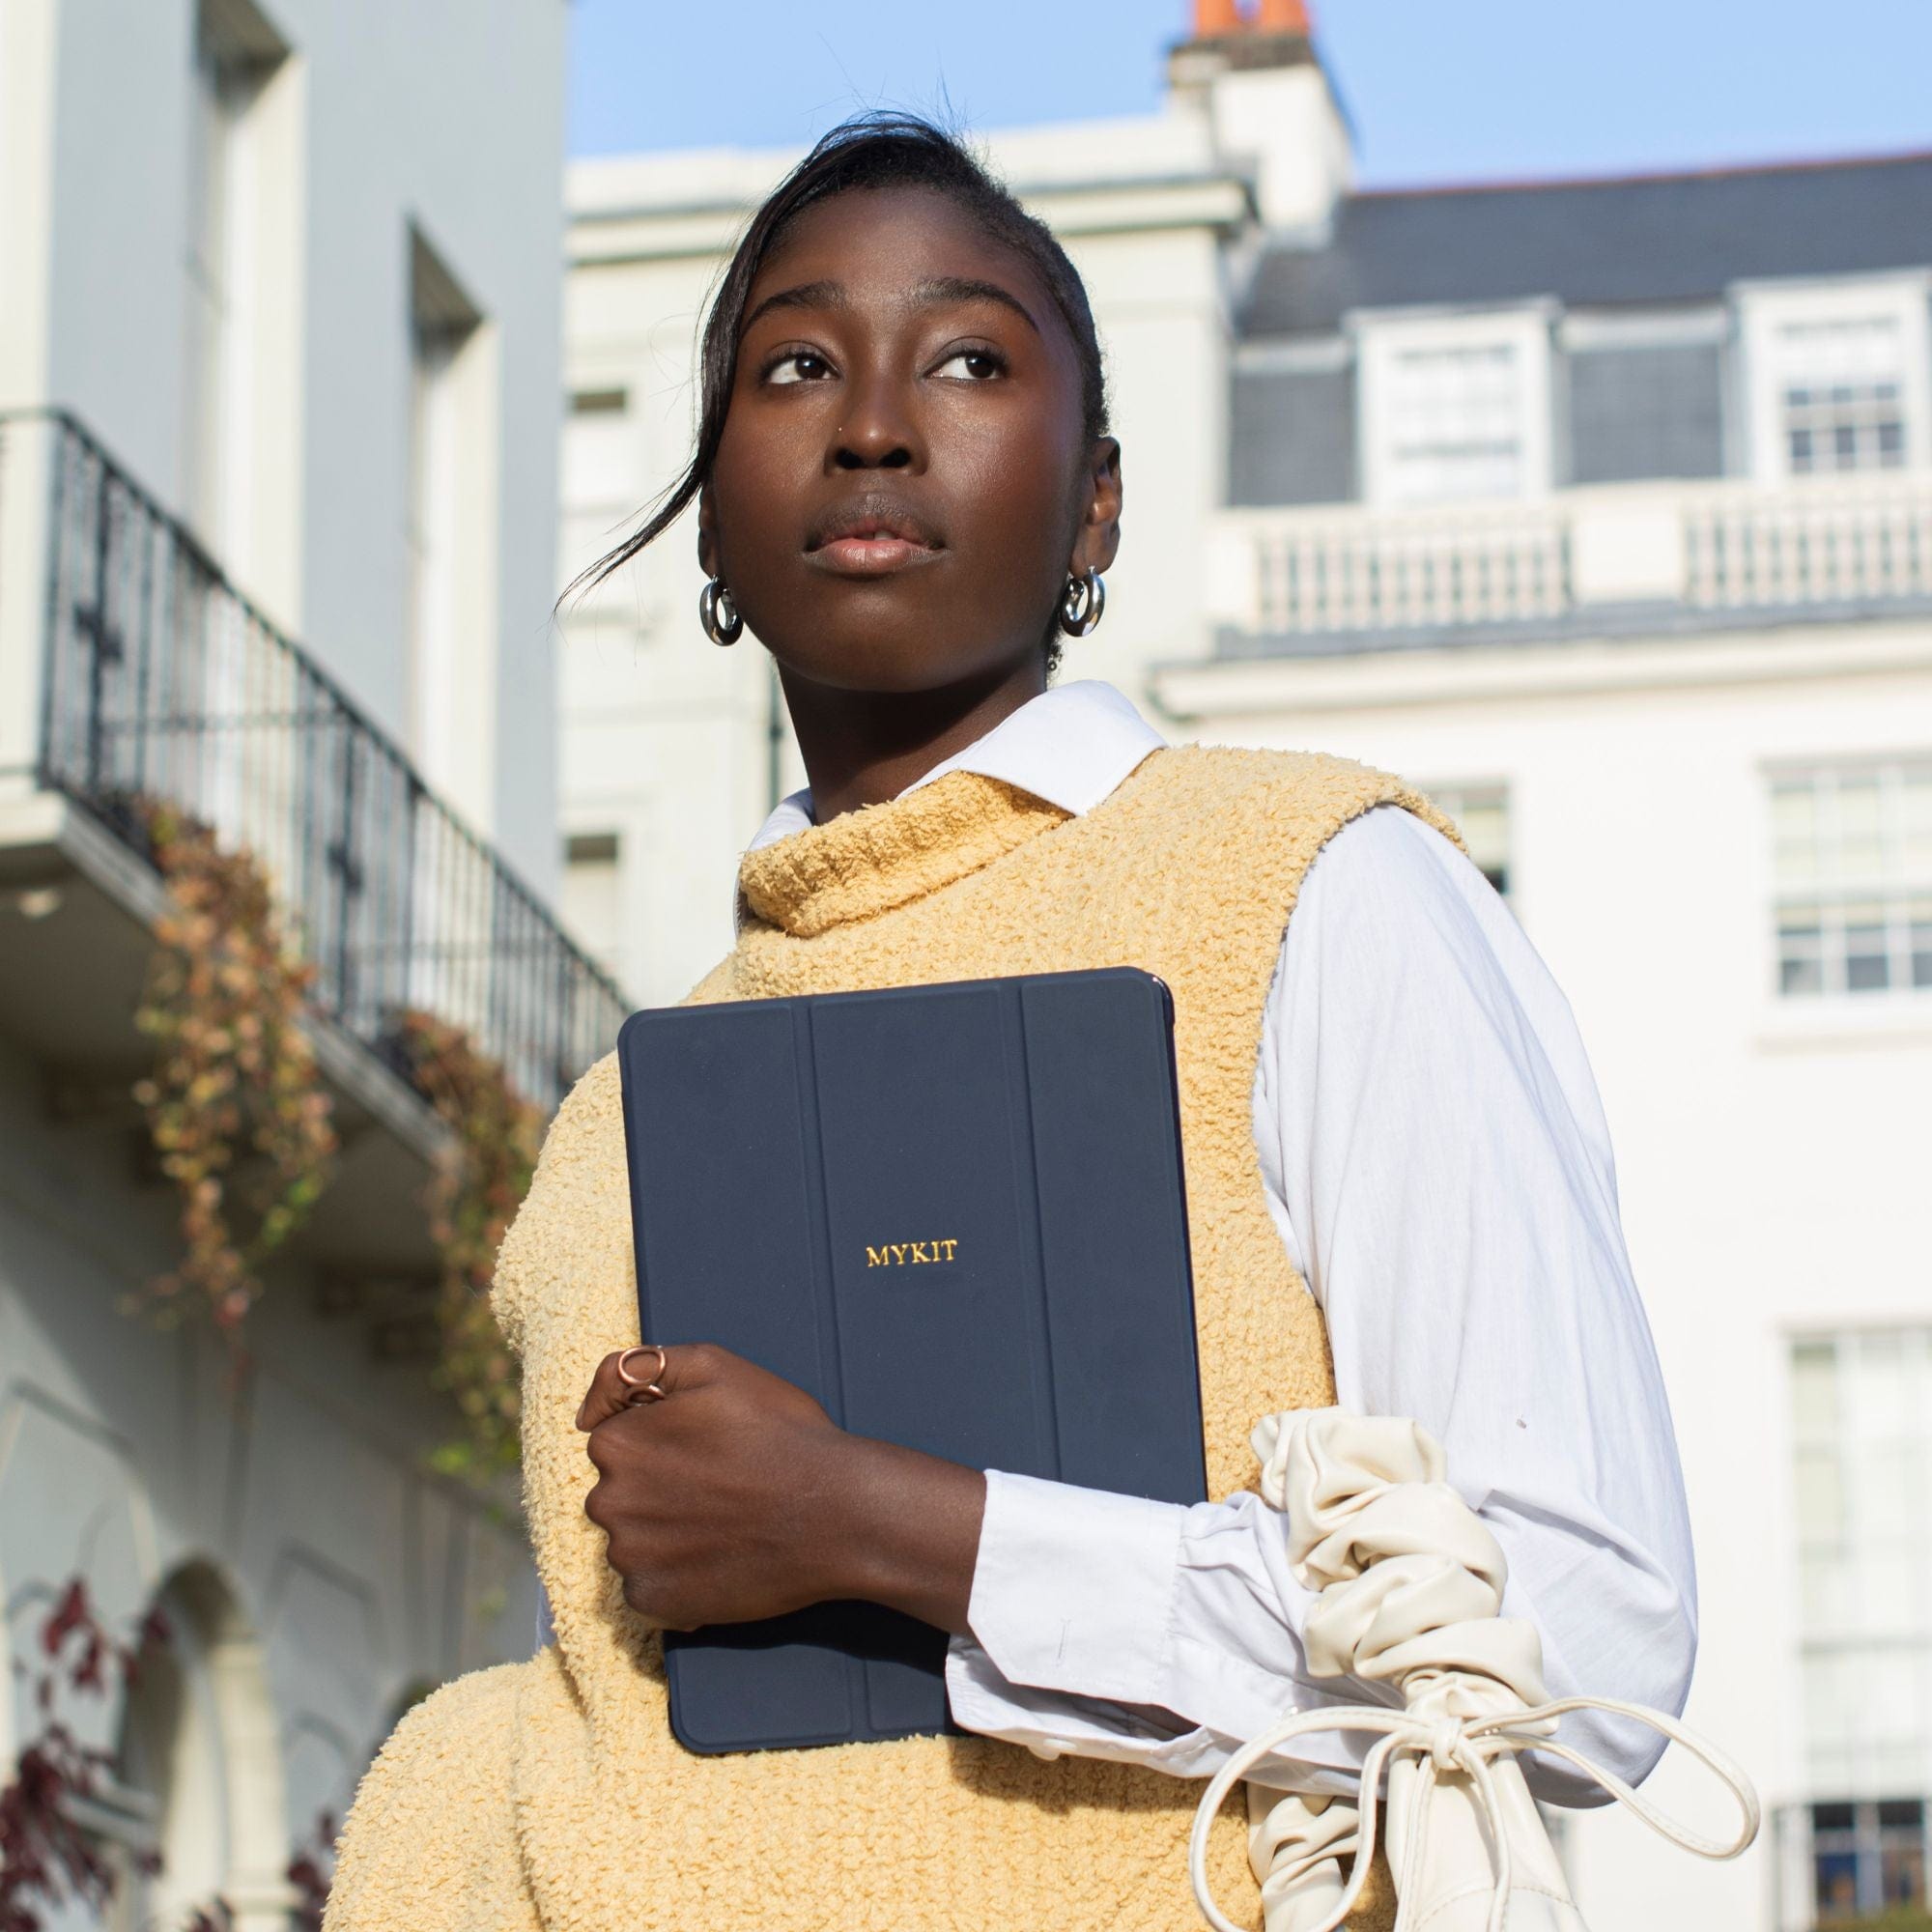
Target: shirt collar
column 1071, row 746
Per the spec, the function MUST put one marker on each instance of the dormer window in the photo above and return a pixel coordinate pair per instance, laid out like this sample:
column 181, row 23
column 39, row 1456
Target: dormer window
column 1838, row 378
column 1842, row 394
column 1454, row 408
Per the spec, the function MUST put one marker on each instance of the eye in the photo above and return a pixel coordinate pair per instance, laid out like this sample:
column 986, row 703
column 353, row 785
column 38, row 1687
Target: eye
column 973, row 365
column 799, row 365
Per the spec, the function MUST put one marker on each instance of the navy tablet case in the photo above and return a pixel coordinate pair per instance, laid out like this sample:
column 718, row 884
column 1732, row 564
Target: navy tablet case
column 956, row 1215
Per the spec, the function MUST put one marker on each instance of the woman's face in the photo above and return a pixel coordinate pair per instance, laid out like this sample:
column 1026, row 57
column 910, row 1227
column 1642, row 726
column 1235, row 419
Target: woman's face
column 904, row 482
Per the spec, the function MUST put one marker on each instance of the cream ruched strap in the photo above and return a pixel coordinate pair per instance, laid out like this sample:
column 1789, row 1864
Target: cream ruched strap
column 1468, row 1746
column 1409, row 1582
column 1299, row 1847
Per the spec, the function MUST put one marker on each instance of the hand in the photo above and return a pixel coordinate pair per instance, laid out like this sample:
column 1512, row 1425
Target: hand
column 703, row 1495
column 737, row 1498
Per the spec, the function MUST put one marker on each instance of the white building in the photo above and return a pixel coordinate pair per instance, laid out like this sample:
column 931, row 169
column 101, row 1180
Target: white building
column 279, row 358
column 1604, row 510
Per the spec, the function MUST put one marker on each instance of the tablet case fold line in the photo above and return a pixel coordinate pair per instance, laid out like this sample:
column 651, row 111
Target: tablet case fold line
column 824, row 1295
column 824, row 1289
column 1026, row 1165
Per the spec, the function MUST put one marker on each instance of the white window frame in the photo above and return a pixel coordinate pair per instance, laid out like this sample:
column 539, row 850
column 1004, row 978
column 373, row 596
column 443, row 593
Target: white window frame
column 454, row 441
column 609, row 946
column 1383, row 336
column 218, row 276
column 1895, row 889
column 1764, row 308
column 603, row 447
column 1850, row 1626
column 243, row 260
column 434, row 535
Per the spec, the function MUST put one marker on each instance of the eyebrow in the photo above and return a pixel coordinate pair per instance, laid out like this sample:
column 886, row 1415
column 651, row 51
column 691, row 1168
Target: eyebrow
column 807, row 294
column 940, row 289
column 968, row 288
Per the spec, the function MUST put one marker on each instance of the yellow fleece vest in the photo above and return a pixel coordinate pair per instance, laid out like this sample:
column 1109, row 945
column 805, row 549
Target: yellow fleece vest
column 551, row 1794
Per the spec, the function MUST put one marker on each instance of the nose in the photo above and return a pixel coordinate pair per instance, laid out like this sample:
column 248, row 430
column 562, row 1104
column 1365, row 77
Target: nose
column 879, row 428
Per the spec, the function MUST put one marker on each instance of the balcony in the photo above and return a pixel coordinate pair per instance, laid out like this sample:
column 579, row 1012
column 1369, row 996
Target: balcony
column 1631, row 559
column 132, row 670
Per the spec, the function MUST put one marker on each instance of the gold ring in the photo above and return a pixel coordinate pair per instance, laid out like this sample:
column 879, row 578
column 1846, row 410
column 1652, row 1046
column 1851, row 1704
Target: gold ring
column 639, row 1389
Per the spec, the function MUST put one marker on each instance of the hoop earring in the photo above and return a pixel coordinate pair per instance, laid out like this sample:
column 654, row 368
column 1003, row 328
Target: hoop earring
column 718, row 613
column 1083, row 604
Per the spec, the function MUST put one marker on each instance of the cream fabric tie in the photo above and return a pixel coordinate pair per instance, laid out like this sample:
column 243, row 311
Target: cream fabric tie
column 1409, row 1583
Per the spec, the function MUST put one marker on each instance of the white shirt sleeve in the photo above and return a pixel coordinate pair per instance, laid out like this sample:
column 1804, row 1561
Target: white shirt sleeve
column 1437, row 1160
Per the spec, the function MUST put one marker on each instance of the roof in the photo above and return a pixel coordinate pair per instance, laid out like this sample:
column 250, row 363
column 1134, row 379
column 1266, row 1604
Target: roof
column 1078, row 154
column 1648, row 239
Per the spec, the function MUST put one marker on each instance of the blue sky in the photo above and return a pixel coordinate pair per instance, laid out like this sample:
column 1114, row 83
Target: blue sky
column 1439, row 91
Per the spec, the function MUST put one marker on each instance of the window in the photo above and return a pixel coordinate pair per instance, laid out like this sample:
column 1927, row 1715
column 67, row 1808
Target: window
column 1866, row 1858
column 210, row 277
column 1482, row 815
column 1853, row 869
column 592, row 900
column 231, row 196
column 1840, row 394
column 1458, row 423
column 1862, row 1413
column 1838, row 378
column 446, row 547
column 601, row 457
column 1455, row 409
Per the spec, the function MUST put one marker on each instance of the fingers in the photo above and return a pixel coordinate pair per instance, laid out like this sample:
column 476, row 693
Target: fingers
column 680, row 1368
column 611, row 1395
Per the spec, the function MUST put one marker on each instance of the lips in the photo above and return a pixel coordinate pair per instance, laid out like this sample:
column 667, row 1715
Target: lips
column 872, row 537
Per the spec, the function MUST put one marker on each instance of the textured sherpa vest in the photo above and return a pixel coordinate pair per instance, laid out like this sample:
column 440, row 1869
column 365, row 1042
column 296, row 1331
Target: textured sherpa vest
column 552, row 1794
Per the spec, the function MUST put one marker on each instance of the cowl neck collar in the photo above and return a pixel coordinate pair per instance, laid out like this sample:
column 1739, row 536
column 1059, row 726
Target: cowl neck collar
column 869, row 861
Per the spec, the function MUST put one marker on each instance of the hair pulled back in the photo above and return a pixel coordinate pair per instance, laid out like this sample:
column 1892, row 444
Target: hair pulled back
column 870, row 151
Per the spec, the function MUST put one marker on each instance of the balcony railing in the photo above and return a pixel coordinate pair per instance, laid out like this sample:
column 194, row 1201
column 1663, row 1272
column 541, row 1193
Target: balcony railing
column 1346, row 577
column 1346, row 571
column 1829, row 543
column 161, row 681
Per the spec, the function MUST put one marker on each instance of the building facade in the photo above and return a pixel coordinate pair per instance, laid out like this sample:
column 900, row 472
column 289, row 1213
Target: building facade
column 1603, row 509
column 279, row 362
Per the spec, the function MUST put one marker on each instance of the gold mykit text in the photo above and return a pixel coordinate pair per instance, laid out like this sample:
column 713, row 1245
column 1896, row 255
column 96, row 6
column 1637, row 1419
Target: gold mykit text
column 909, row 1253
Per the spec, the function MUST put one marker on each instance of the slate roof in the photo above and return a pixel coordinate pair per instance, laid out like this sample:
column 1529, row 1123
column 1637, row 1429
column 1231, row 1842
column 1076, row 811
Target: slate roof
column 1653, row 238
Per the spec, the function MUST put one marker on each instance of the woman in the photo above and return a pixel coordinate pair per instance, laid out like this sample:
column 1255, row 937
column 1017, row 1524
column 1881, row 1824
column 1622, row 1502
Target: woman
column 1398, row 1178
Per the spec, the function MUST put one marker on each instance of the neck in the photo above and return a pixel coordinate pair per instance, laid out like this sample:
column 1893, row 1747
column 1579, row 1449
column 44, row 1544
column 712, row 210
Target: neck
column 866, row 747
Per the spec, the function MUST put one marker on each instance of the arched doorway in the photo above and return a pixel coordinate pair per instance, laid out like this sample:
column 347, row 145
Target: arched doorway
column 199, row 1771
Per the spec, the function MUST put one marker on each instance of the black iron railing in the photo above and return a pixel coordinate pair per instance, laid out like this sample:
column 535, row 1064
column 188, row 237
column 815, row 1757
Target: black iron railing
column 162, row 681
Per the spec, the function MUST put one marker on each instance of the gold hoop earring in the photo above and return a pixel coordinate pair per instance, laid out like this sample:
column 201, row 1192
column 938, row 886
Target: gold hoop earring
column 1083, row 604
column 718, row 613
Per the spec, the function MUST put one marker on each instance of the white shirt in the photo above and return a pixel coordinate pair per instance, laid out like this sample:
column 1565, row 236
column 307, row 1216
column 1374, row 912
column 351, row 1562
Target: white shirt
column 1437, row 1160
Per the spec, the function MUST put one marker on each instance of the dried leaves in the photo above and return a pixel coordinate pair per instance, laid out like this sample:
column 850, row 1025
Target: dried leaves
column 476, row 1194
column 241, row 1121
column 235, row 1107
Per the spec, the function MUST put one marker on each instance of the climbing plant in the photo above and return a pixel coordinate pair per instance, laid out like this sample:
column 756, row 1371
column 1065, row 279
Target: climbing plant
column 242, row 1122
column 48, row 1855
column 479, row 1185
column 51, row 1854
column 310, row 1873
column 235, row 1107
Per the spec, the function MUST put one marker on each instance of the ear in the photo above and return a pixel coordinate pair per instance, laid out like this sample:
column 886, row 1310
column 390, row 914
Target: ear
column 707, row 532
column 1099, row 538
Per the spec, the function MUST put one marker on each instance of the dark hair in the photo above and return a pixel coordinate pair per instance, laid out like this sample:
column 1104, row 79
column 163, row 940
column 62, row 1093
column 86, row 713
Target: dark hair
column 870, row 151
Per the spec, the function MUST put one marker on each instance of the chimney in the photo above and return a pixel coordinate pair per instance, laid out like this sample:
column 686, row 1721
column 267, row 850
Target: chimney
column 1282, row 17
column 1254, row 72
column 1215, row 18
